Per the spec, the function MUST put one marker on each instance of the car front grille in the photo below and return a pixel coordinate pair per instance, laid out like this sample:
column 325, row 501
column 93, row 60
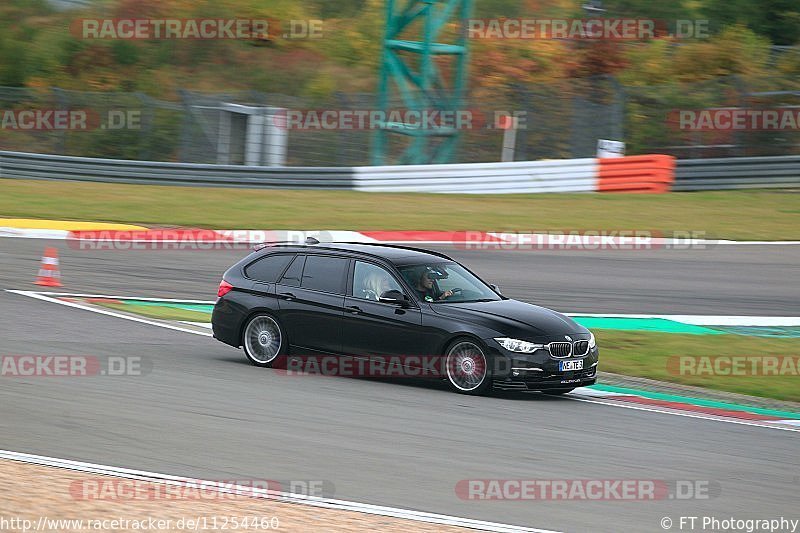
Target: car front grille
column 560, row 349
column 566, row 349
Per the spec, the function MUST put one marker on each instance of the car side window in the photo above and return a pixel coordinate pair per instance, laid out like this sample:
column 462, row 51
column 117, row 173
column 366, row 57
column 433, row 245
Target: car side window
column 269, row 268
column 370, row 281
column 325, row 273
column 294, row 273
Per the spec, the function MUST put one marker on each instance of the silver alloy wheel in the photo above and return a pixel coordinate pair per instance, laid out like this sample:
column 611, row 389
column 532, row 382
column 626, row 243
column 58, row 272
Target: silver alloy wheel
column 466, row 366
column 262, row 339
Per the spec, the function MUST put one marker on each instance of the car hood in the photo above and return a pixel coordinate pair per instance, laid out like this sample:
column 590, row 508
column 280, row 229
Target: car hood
column 512, row 317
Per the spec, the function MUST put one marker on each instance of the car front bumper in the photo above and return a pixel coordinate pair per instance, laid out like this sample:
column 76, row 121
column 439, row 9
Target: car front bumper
column 539, row 370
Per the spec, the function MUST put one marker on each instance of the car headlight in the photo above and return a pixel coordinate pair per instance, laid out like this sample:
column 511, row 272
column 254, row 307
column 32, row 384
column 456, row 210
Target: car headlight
column 592, row 342
column 516, row 345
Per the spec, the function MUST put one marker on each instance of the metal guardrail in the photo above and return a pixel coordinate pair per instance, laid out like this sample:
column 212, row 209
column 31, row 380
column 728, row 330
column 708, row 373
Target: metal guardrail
column 569, row 175
column 44, row 166
column 737, row 173
column 488, row 178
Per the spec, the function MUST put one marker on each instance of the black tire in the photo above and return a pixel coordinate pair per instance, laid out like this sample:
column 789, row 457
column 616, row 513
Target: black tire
column 468, row 369
column 263, row 340
column 558, row 392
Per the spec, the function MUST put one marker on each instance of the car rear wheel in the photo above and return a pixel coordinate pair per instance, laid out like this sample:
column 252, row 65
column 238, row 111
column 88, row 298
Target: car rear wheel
column 263, row 340
column 467, row 367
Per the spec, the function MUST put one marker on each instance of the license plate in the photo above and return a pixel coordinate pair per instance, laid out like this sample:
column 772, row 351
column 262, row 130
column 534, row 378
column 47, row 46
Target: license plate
column 568, row 366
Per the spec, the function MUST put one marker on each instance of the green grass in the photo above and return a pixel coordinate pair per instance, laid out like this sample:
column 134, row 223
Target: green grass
column 646, row 354
column 745, row 215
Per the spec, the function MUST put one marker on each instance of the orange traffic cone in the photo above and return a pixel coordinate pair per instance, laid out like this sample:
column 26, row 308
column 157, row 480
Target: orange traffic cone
column 49, row 275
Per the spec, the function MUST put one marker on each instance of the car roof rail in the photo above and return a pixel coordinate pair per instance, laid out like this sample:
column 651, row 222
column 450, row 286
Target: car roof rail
column 311, row 241
column 387, row 245
column 267, row 244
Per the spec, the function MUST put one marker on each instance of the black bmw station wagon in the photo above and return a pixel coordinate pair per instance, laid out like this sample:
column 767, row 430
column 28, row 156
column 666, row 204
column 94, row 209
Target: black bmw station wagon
column 372, row 300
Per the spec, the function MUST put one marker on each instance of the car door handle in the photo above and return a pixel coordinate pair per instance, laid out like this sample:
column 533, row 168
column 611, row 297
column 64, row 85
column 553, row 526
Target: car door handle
column 286, row 296
column 354, row 309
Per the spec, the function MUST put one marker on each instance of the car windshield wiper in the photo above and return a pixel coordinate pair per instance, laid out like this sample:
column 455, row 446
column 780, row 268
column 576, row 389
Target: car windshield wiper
column 479, row 300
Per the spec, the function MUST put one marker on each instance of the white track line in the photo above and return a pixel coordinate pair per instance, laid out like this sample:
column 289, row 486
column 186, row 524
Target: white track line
column 79, row 295
column 206, row 325
column 41, row 296
column 287, row 497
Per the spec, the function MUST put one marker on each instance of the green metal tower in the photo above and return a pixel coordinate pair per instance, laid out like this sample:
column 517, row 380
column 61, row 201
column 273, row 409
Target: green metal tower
column 422, row 76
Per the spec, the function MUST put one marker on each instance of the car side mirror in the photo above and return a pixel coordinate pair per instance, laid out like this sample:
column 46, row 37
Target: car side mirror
column 394, row 297
column 495, row 288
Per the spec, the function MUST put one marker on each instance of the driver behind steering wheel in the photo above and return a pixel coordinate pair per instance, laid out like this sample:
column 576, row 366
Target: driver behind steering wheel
column 426, row 291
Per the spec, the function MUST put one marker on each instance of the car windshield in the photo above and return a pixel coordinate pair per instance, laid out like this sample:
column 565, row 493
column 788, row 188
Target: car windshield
column 446, row 282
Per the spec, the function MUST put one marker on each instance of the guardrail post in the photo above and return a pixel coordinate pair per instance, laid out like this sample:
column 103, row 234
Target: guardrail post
column 276, row 137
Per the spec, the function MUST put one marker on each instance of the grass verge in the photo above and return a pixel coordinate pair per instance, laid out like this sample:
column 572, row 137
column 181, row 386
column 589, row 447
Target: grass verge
column 648, row 354
column 770, row 215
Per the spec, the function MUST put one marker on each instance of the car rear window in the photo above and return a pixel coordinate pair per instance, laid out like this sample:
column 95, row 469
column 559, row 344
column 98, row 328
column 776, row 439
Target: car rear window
column 295, row 271
column 268, row 268
column 324, row 273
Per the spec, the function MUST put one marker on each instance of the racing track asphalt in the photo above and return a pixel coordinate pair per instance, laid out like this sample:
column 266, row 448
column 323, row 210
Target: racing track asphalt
column 204, row 412
column 726, row 279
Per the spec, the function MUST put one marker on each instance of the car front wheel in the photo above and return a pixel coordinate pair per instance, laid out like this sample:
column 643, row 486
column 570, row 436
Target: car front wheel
column 467, row 368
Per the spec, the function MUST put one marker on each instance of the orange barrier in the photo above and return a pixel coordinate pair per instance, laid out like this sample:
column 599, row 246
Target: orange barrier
column 637, row 173
column 49, row 274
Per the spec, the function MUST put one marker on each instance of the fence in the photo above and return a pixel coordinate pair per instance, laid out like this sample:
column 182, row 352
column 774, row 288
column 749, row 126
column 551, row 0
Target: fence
column 562, row 120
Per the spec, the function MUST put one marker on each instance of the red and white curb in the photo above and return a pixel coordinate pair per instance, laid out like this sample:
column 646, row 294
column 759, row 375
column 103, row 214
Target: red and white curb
column 644, row 403
column 286, row 497
column 490, row 240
